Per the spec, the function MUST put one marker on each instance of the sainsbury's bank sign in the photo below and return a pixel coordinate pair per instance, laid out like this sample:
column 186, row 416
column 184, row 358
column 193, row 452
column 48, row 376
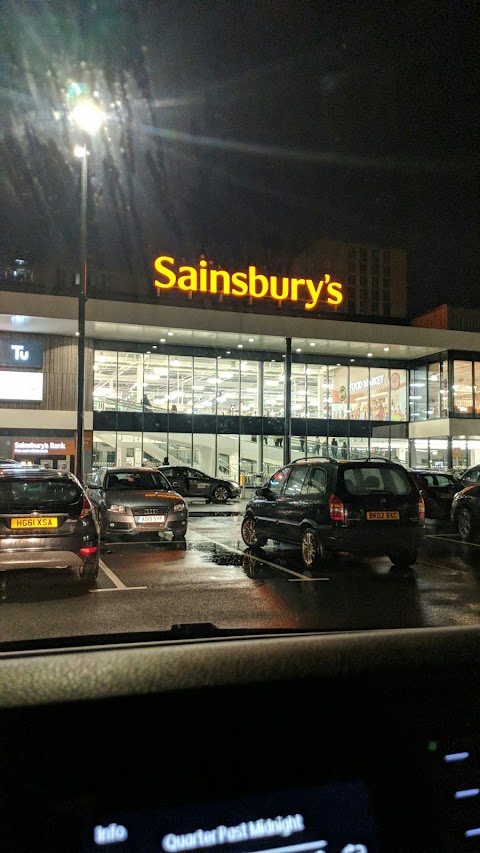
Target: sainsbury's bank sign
column 249, row 284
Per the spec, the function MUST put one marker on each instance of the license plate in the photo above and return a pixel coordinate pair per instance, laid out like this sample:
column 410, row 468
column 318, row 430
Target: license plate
column 26, row 523
column 150, row 519
column 383, row 515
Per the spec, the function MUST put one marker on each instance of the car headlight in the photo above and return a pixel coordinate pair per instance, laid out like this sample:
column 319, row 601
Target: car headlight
column 234, row 485
column 117, row 508
column 178, row 507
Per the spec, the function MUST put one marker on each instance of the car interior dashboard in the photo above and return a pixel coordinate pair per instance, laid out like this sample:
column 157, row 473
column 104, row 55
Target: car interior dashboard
column 344, row 743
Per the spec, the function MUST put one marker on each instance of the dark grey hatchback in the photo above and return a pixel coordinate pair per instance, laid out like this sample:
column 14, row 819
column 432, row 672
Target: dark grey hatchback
column 46, row 521
column 366, row 507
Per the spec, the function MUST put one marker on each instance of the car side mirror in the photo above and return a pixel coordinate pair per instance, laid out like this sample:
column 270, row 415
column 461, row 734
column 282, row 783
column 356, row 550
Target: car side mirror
column 264, row 492
column 92, row 486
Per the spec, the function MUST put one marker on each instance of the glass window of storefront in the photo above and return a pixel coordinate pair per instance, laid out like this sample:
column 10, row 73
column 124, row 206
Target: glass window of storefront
column 462, row 387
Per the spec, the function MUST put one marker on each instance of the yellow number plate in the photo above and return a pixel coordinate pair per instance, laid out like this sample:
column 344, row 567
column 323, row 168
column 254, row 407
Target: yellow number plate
column 26, row 523
column 383, row 515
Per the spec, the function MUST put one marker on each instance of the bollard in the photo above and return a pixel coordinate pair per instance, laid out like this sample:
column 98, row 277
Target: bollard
column 242, row 483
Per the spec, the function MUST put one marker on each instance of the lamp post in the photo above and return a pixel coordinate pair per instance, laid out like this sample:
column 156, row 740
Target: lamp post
column 88, row 118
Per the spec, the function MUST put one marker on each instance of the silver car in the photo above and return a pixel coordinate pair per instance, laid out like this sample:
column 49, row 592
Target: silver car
column 137, row 501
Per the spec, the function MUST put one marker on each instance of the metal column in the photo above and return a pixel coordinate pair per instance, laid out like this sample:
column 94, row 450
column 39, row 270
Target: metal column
column 287, row 429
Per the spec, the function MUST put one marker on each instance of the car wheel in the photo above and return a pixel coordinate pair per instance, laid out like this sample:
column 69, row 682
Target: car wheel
column 220, row 494
column 89, row 572
column 403, row 559
column 464, row 524
column 310, row 547
column 250, row 535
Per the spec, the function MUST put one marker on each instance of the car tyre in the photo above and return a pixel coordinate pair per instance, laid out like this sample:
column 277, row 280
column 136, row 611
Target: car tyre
column 178, row 537
column 311, row 549
column 89, row 573
column 464, row 524
column 403, row 559
column 220, row 494
column 249, row 533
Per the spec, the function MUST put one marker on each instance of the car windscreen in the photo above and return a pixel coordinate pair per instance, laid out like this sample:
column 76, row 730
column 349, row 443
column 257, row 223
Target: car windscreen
column 440, row 481
column 31, row 494
column 370, row 479
column 130, row 480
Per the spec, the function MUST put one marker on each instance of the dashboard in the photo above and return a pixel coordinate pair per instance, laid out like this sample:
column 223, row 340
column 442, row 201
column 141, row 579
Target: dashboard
column 343, row 743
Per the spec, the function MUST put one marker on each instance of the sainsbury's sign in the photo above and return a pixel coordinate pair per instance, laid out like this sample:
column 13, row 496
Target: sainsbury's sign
column 203, row 279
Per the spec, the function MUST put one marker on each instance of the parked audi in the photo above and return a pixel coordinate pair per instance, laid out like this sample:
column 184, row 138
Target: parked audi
column 465, row 513
column 46, row 521
column 137, row 501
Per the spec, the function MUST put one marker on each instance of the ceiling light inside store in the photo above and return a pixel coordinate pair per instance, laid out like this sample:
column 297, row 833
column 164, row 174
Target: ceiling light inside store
column 212, row 380
column 226, row 374
column 386, row 349
column 240, row 346
column 272, row 383
column 433, row 377
column 369, row 354
column 198, row 387
column 312, row 344
column 251, row 340
column 298, row 349
column 162, row 340
column 229, row 352
column 175, row 362
column 170, row 334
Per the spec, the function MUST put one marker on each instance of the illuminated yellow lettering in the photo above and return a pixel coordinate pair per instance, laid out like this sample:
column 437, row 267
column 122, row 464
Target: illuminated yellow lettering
column 203, row 276
column 224, row 275
column 274, row 288
column 314, row 293
column 253, row 277
column 239, row 282
column 295, row 284
column 189, row 280
column 163, row 270
column 334, row 289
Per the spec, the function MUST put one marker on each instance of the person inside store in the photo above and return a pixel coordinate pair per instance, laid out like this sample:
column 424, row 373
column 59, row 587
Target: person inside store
column 147, row 406
column 334, row 446
column 344, row 450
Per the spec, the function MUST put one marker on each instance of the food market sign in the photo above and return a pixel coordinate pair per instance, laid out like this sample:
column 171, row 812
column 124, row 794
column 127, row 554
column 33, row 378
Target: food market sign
column 20, row 353
column 250, row 284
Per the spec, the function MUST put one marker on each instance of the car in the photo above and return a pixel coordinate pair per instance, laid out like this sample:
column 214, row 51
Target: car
column 438, row 489
column 326, row 506
column 471, row 476
column 465, row 513
column 192, row 483
column 47, row 521
column 136, row 501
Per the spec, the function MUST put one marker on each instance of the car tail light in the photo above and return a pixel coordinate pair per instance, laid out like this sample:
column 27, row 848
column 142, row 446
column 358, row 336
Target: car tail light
column 86, row 507
column 421, row 509
column 87, row 552
column 336, row 508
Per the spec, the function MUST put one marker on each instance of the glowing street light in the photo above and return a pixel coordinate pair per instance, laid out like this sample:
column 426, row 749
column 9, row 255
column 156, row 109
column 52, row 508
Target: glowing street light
column 88, row 116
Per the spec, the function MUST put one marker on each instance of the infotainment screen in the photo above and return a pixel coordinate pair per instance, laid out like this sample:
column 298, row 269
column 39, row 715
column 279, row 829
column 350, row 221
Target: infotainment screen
column 334, row 818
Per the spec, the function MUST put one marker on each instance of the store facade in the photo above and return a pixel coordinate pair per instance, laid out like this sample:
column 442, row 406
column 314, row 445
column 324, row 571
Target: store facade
column 208, row 388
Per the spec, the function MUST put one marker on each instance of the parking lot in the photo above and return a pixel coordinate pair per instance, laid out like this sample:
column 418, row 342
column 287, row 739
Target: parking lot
column 213, row 577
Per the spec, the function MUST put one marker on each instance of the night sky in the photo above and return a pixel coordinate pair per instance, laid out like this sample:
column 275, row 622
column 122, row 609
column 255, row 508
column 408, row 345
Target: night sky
column 246, row 130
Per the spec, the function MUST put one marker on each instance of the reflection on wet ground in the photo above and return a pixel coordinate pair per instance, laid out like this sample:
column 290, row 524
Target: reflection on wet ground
column 151, row 585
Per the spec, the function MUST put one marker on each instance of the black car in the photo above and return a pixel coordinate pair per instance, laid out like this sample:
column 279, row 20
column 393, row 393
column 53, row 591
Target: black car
column 465, row 513
column 46, row 521
column 367, row 507
column 137, row 501
column 438, row 489
column 192, row 483
column 471, row 476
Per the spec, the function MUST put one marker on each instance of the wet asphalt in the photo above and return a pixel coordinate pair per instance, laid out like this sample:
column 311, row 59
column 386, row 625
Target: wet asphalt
column 213, row 577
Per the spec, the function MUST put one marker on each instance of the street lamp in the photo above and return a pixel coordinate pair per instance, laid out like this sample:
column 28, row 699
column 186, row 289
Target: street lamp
column 88, row 117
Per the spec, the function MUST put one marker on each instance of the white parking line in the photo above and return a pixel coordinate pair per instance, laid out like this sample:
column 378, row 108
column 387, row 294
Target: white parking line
column 297, row 575
column 119, row 585
column 455, row 542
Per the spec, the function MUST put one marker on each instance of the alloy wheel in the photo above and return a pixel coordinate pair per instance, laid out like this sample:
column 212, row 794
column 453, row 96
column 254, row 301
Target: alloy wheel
column 220, row 494
column 464, row 524
column 249, row 533
column 309, row 548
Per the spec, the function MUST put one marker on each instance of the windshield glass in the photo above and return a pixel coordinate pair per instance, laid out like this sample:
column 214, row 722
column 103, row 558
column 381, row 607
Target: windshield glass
column 369, row 480
column 240, row 310
column 136, row 480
